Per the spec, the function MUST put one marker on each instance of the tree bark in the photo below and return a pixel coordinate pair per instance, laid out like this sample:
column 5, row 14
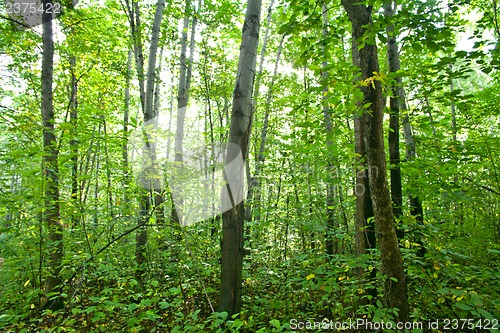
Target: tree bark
column 51, row 171
column 365, row 226
column 126, row 113
column 416, row 209
column 73, row 143
column 233, row 219
column 135, row 31
column 398, row 105
column 394, row 108
column 147, row 99
column 391, row 261
column 331, row 242
column 159, row 197
column 263, row 136
column 182, row 98
column 185, row 70
column 253, row 198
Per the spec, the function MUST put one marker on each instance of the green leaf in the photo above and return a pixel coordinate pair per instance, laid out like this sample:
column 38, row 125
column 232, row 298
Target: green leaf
column 132, row 321
column 463, row 306
column 98, row 316
column 486, row 314
column 275, row 323
column 221, row 315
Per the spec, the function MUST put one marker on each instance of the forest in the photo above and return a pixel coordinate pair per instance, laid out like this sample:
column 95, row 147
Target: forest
column 249, row 166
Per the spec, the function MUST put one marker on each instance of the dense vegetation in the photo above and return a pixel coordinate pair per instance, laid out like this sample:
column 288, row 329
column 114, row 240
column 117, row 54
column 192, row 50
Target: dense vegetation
column 114, row 119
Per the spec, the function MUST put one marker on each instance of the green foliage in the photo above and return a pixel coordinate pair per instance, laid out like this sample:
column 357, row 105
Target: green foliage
column 286, row 273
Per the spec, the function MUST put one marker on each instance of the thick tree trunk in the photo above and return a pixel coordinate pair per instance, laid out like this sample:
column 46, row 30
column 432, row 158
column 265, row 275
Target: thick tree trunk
column 51, row 171
column 392, row 264
column 233, row 219
column 394, row 108
column 365, row 226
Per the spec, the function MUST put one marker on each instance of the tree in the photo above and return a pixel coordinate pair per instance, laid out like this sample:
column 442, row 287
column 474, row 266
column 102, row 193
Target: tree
column 398, row 105
column 396, row 296
column 147, row 98
column 185, row 74
column 312, row 128
column 51, row 169
column 330, row 241
column 394, row 111
column 233, row 219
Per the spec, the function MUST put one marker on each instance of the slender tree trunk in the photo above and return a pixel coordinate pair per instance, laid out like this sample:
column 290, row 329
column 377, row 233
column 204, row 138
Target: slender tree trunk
column 398, row 100
column 135, row 31
column 256, row 184
column 209, row 124
column 394, row 108
column 331, row 241
column 457, row 207
column 126, row 113
column 185, row 67
column 431, row 118
column 147, row 99
column 109, row 187
column 233, row 219
column 153, row 50
column 392, row 264
column 416, row 209
column 73, row 143
column 51, row 171
column 158, row 195
column 253, row 186
column 182, row 97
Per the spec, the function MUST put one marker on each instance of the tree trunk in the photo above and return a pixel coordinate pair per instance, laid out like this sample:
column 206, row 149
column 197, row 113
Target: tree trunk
column 331, row 241
column 51, row 171
column 391, row 261
column 253, row 182
column 135, row 31
column 256, row 184
column 394, row 108
column 185, row 68
column 182, row 97
column 126, row 113
column 159, row 197
column 147, row 98
column 233, row 219
column 365, row 226
column 398, row 100
column 73, row 143
column 416, row 209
